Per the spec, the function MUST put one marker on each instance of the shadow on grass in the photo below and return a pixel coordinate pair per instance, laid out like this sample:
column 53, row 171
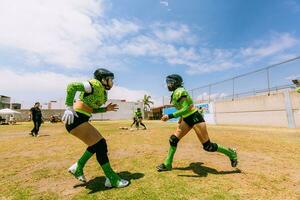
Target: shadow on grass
column 97, row 184
column 203, row 171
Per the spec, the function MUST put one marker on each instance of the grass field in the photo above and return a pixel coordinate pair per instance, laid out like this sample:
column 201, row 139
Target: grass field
column 36, row 168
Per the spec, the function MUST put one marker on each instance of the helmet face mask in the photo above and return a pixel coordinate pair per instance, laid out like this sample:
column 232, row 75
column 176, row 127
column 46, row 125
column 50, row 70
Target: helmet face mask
column 107, row 82
column 105, row 77
column 171, row 85
column 173, row 82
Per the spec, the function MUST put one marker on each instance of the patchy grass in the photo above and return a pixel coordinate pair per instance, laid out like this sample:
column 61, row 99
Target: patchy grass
column 36, row 168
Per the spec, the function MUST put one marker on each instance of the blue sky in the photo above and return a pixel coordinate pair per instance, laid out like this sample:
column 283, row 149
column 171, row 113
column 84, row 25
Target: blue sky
column 46, row 44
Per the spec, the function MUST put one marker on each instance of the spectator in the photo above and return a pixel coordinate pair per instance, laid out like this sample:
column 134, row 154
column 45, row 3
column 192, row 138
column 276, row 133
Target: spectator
column 36, row 116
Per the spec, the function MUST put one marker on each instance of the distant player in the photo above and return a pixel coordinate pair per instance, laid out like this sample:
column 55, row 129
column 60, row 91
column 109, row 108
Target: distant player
column 190, row 119
column 138, row 119
column 297, row 83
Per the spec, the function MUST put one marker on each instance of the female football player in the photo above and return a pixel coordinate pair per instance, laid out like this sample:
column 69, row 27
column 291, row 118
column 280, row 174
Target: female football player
column 93, row 94
column 190, row 118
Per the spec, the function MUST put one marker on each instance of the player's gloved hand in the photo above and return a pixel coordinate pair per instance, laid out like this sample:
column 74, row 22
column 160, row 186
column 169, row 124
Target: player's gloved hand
column 68, row 117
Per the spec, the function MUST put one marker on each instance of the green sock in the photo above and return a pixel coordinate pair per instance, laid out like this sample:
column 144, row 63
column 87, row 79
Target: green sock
column 82, row 161
column 228, row 152
column 110, row 174
column 169, row 160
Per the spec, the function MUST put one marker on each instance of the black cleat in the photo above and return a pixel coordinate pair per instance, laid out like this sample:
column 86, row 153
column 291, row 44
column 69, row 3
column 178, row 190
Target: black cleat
column 233, row 159
column 162, row 167
column 234, row 162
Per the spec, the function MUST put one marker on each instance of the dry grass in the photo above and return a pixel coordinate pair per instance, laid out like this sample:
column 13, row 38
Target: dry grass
column 35, row 168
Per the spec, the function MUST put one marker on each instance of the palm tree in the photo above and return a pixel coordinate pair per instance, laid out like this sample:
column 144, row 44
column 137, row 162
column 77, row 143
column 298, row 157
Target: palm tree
column 147, row 102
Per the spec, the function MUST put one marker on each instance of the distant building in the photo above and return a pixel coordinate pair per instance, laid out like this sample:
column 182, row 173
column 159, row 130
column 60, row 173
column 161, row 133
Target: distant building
column 157, row 112
column 55, row 104
column 4, row 102
column 15, row 106
column 125, row 112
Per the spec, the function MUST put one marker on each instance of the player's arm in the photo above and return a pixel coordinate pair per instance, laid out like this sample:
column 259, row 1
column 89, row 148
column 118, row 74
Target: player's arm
column 109, row 107
column 76, row 87
column 185, row 108
column 100, row 110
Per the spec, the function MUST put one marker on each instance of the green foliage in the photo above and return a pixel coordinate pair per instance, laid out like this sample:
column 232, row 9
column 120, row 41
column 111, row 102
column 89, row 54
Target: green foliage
column 147, row 102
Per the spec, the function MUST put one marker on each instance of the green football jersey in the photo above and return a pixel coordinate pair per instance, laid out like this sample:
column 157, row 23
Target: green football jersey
column 94, row 100
column 184, row 107
column 138, row 114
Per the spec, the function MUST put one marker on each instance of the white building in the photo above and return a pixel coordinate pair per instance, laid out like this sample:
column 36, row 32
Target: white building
column 126, row 110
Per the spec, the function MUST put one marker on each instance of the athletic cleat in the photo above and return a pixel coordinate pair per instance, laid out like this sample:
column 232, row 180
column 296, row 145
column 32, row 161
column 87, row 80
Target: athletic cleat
column 78, row 173
column 121, row 183
column 162, row 167
column 233, row 159
column 234, row 162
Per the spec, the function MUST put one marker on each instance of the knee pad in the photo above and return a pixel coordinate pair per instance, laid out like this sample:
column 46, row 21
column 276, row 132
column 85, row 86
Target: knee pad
column 173, row 141
column 209, row 146
column 91, row 149
column 101, row 151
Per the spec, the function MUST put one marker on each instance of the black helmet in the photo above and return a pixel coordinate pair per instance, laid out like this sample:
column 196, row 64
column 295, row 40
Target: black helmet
column 174, row 81
column 138, row 109
column 296, row 82
column 102, row 73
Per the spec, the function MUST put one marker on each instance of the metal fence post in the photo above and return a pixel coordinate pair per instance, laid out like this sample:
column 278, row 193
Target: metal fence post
column 268, row 79
column 233, row 89
column 209, row 91
column 289, row 109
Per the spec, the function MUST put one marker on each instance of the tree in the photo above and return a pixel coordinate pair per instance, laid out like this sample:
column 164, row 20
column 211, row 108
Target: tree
column 147, row 102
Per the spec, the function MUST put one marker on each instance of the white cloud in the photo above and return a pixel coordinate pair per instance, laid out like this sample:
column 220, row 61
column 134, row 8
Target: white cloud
column 293, row 5
column 74, row 33
column 118, row 92
column 174, row 32
column 297, row 76
column 202, row 60
column 278, row 43
column 274, row 50
column 58, row 32
column 164, row 3
column 27, row 88
column 117, row 29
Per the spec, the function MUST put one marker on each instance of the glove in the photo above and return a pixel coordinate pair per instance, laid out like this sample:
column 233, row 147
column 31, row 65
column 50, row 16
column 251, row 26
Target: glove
column 68, row 117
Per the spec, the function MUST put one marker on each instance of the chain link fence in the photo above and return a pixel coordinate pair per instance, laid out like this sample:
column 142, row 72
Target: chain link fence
column 265, row 80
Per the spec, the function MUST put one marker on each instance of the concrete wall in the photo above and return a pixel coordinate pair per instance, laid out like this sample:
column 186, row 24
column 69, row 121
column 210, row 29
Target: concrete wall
column 295, row 100
column 126, row 111
column 46, row 114
column 258, row 110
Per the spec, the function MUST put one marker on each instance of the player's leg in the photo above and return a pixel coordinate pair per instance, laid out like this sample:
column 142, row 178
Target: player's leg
column 202, row 134
column 182, row 129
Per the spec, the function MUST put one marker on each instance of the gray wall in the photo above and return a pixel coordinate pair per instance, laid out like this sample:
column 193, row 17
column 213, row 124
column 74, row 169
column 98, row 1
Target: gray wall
column 259, row 110
column 126, row 111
